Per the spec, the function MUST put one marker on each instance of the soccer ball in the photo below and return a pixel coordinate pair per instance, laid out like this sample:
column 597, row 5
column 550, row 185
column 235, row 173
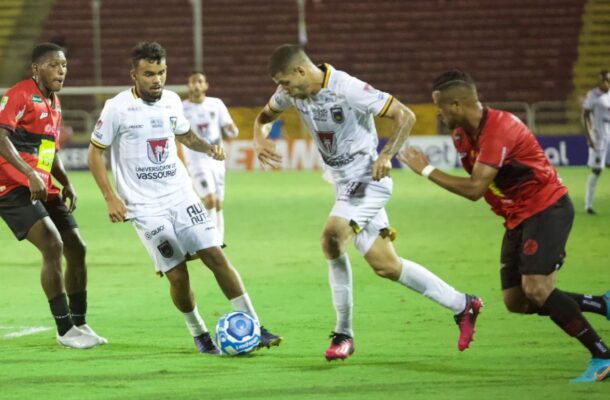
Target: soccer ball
column 237, row 333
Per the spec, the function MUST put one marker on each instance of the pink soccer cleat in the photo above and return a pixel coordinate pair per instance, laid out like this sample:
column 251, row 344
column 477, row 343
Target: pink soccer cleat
column 466, row 321
column 341, row 347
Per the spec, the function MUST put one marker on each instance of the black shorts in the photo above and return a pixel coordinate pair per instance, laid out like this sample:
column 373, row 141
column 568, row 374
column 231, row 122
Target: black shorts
column 537, row 245
column 19, row 213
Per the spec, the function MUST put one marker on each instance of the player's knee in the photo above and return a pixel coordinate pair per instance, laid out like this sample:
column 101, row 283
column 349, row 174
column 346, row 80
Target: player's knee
column 596, row 171
column 515, row 305
column 537, row 294
column 76, row 248
column 53, row 248
column 332, row 243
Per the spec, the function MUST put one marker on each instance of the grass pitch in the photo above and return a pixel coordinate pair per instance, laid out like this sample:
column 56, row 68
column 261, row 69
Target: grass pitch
column 405, row 344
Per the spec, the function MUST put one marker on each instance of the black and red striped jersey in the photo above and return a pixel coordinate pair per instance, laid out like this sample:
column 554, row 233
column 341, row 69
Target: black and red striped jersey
column 526, row 182
column 34, row 123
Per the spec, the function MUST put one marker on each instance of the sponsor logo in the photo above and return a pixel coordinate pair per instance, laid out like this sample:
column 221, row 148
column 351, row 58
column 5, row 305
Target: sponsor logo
column 20, row 114
column 151, row 234
column 369, row 88
column 156, row 123
column 50, row 129
column 133, row 108
column 98, row 135
column 136, row 126
column 212, row 114
column 173, row 123
column 156, row 172
column 157, row 150
column 98, row 124
column 166, row 249
column 36, row 99
column 2, row 188
column 337, row 113
column 196, row 213
column 44, row 115
column 3, row 102
column 320, row 114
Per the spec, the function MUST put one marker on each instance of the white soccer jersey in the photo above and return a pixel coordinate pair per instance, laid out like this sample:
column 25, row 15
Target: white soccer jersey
column 145, row 165
column 599, row 104
column 207, row 120
column 340, row 118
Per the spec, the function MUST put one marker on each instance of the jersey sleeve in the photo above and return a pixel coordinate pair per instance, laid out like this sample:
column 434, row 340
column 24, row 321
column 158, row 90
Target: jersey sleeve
column 225, row 117
column 588, row 102
column 280, row 101
column 106, row 127
column 366, row 98
column 12, row 108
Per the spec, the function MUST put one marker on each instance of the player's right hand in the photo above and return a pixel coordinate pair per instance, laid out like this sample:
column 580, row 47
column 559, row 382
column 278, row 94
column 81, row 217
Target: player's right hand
column 266, row 153
column 38, row 190
column 116, row 209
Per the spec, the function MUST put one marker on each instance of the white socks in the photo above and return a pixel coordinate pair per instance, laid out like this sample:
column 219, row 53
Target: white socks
column 591, row 183
column 340, row 279
column 194, row 322
column 243, row 303
column 418, row 278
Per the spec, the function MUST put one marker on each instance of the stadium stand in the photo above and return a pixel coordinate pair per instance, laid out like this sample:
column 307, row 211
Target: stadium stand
column 519, row 50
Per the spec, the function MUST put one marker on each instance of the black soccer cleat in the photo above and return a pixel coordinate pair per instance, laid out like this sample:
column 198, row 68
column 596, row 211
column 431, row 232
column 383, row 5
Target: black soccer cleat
column 268, row 339
column 205, row 344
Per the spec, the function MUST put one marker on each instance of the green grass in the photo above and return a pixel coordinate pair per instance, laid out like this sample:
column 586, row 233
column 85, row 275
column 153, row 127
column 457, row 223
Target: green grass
column 405, row 345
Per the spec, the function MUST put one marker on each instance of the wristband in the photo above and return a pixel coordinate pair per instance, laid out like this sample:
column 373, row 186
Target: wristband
column 427, row 171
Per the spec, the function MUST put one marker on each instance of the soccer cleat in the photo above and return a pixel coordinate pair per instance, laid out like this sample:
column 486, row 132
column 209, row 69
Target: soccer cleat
column 77, row 339
column 598, row 370
column 466, row 321
column 341, row 347
column 591, row 211
column 607, row 300
column 268, row 339
column 87, row 330
column 205, row 344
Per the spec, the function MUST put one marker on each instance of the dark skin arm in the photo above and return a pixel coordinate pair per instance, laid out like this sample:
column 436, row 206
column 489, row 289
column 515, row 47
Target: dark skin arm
column 67, row 192
column 472, row 187
column 586, row 121
column 9, row 153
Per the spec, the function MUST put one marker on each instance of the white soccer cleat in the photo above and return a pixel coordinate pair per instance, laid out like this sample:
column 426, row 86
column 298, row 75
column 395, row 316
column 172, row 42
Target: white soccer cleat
column 87, row 330
column 77, row 339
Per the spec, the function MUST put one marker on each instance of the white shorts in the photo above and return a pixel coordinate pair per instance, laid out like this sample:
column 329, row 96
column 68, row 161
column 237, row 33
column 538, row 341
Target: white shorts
column 208, row 178
column 176, row 232
column 597, row 156
column 362, row 203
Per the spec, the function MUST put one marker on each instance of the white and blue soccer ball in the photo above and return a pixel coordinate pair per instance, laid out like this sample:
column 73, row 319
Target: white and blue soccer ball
column 237, row 333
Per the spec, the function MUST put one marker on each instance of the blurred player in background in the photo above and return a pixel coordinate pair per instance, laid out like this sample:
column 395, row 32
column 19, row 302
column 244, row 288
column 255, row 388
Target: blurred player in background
column 509, row 169
column 210, row 120
column 596, row 119
column 338, row 110
column 154, row 192
column 31, row 205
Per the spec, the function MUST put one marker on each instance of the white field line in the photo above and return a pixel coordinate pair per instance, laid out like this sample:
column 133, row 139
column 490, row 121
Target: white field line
column 23, row 331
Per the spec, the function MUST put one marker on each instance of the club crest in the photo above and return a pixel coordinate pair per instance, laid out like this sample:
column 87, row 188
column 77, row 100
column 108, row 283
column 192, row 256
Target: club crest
column 157, row 150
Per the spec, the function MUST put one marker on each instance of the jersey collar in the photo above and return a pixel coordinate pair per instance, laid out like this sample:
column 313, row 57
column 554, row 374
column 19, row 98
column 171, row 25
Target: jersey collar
column 326, row 68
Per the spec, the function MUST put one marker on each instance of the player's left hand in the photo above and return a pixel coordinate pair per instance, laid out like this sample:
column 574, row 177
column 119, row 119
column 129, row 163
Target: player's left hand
column 69, row 194
column 414, row 158
column 216, row 152
column 382, row 167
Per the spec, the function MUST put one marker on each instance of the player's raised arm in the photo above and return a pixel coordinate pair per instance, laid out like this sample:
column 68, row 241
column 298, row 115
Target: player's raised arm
column 116, row 207
column 263, row 147
column 8, row 151
column 472, row 187
column 404, row 119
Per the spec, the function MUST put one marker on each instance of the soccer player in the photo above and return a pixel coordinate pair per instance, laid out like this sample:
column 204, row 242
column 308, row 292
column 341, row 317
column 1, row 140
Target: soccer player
column 31, row 205
column 210, row 120
column 509, row 169
column 338, row 110
column 596, row 119
column 154, row 192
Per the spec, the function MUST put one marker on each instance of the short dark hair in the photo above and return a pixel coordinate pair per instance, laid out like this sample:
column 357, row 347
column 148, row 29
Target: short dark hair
column 282, row 57
column 603, row 73
column 42, row 49
column 452, row 78
column 150, row 51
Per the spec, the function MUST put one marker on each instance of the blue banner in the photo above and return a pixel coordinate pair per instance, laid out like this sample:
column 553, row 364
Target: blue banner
column 565, row 150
